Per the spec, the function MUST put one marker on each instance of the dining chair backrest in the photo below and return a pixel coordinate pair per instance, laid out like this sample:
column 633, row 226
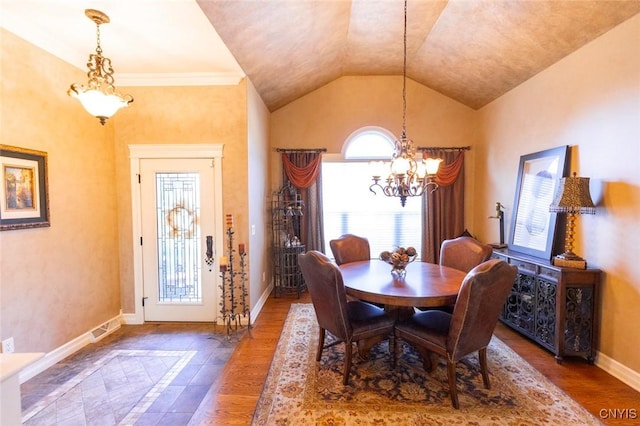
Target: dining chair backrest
column 464, row 253
column 328, row 295
column 350, row 248
column 480, row 300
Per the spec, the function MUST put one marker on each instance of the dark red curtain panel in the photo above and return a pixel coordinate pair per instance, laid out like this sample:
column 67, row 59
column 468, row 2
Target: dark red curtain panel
column 302, row 176
column 303, row 170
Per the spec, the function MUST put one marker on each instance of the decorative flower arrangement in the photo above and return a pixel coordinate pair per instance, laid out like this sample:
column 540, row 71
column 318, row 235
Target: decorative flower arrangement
column 399, row 258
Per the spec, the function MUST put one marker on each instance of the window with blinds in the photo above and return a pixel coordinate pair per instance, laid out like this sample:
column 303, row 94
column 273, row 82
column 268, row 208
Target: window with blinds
column 350, row 208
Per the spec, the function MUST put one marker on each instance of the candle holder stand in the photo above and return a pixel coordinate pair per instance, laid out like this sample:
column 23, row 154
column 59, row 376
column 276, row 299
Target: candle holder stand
column 233, row 303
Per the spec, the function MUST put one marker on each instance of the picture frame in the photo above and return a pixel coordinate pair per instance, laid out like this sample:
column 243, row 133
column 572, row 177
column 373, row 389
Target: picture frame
column 533, row 226
column 24, row 193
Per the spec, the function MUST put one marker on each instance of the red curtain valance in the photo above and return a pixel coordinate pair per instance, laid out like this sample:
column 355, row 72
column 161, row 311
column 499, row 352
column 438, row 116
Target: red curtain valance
column 303, row 176
column 448, row 173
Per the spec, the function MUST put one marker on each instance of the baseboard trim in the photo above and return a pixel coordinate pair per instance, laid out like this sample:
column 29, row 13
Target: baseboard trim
column 134, row 319
column 261, row 301
column 69, row 348
column 618, row 370
column 253, row 313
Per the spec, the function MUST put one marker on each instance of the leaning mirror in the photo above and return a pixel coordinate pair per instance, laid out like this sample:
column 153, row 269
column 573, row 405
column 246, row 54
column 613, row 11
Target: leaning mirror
column 532, row 225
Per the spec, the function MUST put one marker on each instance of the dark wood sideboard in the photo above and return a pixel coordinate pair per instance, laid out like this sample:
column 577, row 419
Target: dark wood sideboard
column 554, row 306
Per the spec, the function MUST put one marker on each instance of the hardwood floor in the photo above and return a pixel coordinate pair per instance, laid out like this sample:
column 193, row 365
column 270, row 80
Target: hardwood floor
column 233, row 397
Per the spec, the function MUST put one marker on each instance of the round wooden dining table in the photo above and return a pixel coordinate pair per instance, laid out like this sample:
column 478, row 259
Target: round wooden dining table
column 424, row 285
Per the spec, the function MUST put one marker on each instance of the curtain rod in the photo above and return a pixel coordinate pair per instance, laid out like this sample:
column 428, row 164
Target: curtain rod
column 301, row 150
column 444, row 148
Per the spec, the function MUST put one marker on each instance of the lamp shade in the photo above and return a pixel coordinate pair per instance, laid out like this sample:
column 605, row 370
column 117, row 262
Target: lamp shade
column 97, row 102
column 432, row 165
column 573, row 196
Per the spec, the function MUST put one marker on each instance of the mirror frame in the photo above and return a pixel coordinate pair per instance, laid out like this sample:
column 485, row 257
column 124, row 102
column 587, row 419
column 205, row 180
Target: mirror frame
column 533, row 227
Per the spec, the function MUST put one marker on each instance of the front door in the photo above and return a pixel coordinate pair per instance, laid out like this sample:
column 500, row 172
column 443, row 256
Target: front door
column 177, row 215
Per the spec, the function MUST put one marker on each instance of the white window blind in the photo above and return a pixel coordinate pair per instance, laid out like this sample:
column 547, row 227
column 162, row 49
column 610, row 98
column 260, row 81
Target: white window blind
column 350, row 208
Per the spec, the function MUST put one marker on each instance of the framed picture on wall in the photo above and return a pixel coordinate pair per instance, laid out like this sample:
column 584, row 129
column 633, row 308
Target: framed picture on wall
column 24, row 197
column 533, row 227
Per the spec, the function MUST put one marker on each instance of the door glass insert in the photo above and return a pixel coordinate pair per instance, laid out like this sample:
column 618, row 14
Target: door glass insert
column 178, row 212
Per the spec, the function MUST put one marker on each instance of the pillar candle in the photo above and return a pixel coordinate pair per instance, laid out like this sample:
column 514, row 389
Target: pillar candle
column 241, row 248
column 224, row 261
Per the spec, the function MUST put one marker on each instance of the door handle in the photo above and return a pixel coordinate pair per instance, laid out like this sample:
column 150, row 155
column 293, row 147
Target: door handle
column 209, row 258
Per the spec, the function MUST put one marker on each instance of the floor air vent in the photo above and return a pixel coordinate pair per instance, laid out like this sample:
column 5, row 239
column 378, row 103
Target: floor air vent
column 104, row 330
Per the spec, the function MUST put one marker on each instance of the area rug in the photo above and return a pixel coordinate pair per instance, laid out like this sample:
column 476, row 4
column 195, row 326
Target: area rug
column 301, row 391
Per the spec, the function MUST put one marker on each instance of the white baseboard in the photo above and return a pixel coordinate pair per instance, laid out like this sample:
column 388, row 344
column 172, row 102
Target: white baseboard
column 132, row 319
column 253, row 314
column 619, row 371
column 69, row 348
column 261, row 301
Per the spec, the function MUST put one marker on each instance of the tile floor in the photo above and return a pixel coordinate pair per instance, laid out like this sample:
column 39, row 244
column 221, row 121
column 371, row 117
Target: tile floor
column 152, row 374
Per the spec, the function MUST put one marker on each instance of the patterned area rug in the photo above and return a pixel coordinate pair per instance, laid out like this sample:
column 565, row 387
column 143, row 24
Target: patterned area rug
column 300, row 391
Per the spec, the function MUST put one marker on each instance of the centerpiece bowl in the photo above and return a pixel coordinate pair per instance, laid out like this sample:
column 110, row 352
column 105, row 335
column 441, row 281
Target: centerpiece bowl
column 399, row 258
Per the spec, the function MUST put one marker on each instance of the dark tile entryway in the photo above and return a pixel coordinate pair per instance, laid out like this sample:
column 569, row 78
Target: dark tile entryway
column 152, row 374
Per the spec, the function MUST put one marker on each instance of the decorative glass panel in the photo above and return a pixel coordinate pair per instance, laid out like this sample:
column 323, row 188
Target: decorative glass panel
column 179, row 239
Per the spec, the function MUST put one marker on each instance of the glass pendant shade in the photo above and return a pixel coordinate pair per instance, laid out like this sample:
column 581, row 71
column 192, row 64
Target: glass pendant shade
column 402, row 166
column 432, row 165
column 99, row 96
column 98, row 103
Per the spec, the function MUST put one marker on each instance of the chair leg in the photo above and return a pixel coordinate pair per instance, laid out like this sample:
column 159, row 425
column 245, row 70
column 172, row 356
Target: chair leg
column 392, row 350
column 482, row 357
column 320, row 344
column 426, row 359
column 451, row 372
column 348, row 352
column 397, row 351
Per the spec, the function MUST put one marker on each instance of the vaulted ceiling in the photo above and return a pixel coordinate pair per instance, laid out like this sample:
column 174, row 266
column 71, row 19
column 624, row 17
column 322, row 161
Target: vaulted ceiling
column 473, row 51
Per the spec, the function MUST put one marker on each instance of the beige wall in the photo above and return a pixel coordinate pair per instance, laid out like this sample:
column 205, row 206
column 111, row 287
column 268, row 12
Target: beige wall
column 177, row 115
column 258, row 195
column 326, row 117
column 590, row 101
column 57, row 282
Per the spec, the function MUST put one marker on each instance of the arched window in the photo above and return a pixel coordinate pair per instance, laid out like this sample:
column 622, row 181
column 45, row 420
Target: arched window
column 350, row 207
column 369, row 144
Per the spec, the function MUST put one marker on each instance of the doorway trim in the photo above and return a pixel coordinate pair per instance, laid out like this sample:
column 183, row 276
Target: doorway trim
column 154, row 151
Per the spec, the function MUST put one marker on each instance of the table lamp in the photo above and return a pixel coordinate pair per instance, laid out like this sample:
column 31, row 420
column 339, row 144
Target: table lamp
column 572, row 198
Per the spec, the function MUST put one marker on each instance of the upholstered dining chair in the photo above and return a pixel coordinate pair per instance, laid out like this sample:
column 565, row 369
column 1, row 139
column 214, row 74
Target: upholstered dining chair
column 349, row 321
column 464, row 253
column 468, row 329
column 350, row 248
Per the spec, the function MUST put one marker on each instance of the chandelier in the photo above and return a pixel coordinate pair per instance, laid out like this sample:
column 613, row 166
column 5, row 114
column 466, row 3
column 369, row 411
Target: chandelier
column 99, row 96
column 407, row 174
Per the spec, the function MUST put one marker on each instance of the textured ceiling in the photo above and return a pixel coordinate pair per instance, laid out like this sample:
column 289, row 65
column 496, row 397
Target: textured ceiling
column 473, row 51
